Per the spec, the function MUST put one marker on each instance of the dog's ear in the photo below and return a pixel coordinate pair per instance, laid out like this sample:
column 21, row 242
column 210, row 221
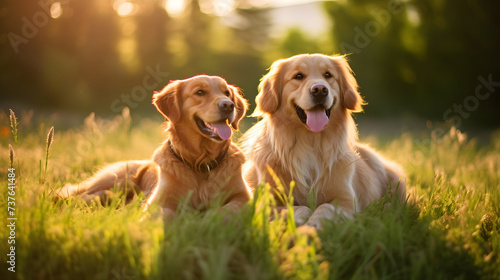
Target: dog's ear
column 270, row 87
column 350, row 97
column 240, row 103
column 168, row 101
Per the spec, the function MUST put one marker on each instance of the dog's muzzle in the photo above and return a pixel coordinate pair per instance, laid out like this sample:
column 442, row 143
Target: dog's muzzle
column 319, row 92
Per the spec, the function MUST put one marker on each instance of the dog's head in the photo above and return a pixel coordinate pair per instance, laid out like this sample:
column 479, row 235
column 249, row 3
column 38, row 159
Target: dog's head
column 203, row 103
column 306, row 88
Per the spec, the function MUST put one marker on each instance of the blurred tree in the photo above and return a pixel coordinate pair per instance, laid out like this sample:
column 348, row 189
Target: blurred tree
column 296, row 42
column 153, row 24
column 66, row 61
column 196, row 30
column 93, row 53
column 250, row 30
column 20, row 54
column 420, row 57
column 240, row 60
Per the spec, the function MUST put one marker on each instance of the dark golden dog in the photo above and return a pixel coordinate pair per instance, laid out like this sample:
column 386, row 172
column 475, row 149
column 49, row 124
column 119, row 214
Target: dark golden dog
column 197, row 160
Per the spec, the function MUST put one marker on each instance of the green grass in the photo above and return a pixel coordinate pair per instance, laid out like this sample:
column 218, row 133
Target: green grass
column 454, row 233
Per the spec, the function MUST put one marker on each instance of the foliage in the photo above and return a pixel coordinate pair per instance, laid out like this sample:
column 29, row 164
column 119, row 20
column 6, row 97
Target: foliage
column 91, row 57
column 420, row 56
column 410, row 57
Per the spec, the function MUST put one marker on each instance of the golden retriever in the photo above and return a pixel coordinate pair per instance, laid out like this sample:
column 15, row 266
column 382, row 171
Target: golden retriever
column 307, row 135
column 197, row 161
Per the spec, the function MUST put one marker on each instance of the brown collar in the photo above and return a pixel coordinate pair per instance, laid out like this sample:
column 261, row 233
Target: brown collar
column 204, row 167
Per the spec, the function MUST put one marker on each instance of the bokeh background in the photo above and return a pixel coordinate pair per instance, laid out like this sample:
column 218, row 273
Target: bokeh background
column 419, row 63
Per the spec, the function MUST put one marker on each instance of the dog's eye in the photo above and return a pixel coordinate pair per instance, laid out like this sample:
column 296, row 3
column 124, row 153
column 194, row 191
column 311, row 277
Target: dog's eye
column 200, row 93
column 298, row 76
column 227, row 93
column 328, row 75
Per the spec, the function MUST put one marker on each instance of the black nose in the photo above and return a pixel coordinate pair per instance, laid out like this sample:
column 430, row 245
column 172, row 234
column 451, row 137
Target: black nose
column 319, row 92
column 226, row 106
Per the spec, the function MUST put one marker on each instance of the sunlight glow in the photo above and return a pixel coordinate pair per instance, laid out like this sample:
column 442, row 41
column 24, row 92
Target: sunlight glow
column 55, row 10
column 125, row 8
column 219, row 8
column 413, row 15
column 224, row 7
column 175, row 8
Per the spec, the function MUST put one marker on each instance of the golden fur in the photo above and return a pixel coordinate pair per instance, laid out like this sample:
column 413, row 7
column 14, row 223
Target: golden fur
column 183, row 163
column 179, row 166
column 345, row 176
column 130, row 177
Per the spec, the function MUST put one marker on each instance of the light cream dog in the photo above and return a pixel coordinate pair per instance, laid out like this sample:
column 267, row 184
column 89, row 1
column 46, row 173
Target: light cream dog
column 307, row 134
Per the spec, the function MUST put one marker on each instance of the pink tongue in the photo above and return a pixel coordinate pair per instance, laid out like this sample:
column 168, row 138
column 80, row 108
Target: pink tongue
column 223, row 130
column 316, row 120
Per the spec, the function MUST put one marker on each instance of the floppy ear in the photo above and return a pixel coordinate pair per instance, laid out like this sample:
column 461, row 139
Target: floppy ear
column 270, row 87
column 241, row 105
column 351, row 99
column 168, row 101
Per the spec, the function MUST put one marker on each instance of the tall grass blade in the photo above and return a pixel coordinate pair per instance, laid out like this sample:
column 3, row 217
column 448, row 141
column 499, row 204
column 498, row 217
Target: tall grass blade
column 40, row 171
column 11, row 156
column 48, row 142
column 312, row 200
column 127, row 120
column 13, row 125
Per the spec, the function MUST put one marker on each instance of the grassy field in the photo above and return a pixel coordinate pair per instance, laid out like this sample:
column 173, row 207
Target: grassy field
column 454, row 233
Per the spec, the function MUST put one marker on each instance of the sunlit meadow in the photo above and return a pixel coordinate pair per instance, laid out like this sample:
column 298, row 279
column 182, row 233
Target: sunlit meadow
column 448, row 229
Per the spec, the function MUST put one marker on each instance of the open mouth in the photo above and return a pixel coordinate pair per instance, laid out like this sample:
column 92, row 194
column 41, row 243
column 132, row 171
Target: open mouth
column 217, row 131
column 316, row 119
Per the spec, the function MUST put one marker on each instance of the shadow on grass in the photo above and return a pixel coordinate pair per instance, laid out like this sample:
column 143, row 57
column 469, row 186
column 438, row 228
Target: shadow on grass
column 389, row 240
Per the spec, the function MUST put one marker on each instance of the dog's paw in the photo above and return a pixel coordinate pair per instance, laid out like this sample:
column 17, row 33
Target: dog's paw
column 162, row 213
column 301, row 214
column 100, row 197
column 315, row 223
column 327, row 212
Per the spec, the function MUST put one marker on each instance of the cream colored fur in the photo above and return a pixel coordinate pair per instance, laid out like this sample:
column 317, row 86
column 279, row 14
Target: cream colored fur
column 344, row 175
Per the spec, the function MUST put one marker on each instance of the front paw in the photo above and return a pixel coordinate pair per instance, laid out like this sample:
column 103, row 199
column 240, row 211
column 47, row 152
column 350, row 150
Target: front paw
column 301, row 214
column 315, row 223
column 328, row 212
column 163, row 213
column 100, row 197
